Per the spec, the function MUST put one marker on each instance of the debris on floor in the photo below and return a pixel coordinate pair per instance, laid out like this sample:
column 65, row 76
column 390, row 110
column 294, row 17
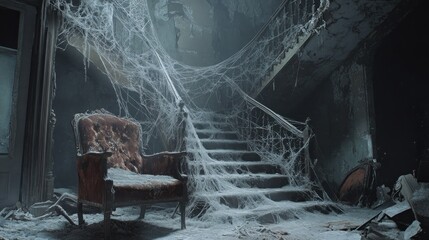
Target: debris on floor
column 407, row 218
column 420, row 205
column 38, row 211
column 402, row 215
column 252, row 230
column 341, row 225
column 358, row 187
column 413, row 230
column 382, row 195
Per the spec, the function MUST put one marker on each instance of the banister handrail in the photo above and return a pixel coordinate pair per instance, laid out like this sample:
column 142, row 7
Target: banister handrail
column 323, row 5
column 280, row 120
column 274, row 15
column 183, row 111
column 297, row 34
column 170, row 84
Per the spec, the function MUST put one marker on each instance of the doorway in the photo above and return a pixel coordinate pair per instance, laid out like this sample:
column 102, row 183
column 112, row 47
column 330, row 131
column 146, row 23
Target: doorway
column 9, row 164
column 14, row 79
column 401, row 99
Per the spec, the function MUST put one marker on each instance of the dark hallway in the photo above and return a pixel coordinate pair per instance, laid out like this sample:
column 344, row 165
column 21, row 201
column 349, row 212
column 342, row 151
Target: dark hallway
column 401, row 99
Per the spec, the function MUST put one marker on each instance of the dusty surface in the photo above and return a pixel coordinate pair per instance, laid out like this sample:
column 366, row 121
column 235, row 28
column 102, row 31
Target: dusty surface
column 158, row 224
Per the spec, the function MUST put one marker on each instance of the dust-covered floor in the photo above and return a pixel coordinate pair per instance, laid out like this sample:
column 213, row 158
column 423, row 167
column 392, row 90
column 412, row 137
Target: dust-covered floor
column 158, row 224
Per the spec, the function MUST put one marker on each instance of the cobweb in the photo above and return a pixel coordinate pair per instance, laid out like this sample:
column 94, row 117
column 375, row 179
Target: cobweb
column 119, row 38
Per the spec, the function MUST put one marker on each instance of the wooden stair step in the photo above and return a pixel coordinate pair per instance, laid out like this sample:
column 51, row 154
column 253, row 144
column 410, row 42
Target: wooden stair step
column 249, row 180
column 237, row 167
column 216, row 134
column 238, row 198
column 285, row 210
column 224, row 144
column 212, row 125
column 234, row 155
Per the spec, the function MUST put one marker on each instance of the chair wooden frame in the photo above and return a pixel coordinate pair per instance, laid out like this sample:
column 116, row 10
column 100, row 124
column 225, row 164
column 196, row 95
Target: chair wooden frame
column 96, row 189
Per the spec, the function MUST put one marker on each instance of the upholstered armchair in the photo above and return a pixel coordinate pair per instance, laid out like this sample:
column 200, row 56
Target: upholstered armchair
column 113, row 172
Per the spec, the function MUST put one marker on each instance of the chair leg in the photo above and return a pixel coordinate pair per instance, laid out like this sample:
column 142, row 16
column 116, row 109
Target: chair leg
column 142, row 211
column 80, row 213
column 107, row 206
column 107, row 224
column 182, row 214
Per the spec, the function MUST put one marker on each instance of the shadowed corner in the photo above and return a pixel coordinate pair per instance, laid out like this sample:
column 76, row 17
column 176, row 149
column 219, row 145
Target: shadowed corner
column 119, row 230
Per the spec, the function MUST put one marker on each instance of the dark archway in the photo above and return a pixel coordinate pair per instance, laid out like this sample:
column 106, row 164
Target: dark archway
column 401, row 97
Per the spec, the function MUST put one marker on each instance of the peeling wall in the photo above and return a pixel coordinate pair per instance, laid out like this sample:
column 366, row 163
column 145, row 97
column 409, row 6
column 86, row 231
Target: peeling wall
column 339, row 112
column 205, row 32
column 349, row 130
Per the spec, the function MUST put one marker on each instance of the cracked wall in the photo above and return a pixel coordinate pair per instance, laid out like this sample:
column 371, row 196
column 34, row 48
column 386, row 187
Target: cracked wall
column 340, row 118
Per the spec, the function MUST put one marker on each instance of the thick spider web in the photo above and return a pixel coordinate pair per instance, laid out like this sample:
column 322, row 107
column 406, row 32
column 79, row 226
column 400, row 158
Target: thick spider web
column 118, row 37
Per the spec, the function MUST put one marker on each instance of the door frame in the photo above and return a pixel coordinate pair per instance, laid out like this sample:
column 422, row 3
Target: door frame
column 20, row 93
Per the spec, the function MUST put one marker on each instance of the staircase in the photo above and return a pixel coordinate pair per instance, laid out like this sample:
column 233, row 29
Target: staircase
column 254, row 180
column 286, row 55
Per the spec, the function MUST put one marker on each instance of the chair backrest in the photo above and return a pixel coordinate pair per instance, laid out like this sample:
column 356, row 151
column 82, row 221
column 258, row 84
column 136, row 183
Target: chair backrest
column 100, row 131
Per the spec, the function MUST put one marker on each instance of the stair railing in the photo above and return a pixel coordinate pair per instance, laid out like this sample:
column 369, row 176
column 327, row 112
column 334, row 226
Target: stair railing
column 281, row 121
column 281, row 37
column 267, row 130
column 182, row 113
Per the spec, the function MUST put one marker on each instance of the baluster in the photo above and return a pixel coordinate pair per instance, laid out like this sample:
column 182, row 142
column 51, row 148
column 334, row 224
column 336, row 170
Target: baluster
column 181, row 127
column 306, row 136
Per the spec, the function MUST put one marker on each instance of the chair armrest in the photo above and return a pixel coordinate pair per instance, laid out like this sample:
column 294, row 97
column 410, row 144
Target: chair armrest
column 92, row 169
column 164, row 163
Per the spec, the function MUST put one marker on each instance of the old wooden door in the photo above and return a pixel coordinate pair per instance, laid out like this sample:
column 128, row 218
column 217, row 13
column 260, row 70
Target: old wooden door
column 15, row 55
